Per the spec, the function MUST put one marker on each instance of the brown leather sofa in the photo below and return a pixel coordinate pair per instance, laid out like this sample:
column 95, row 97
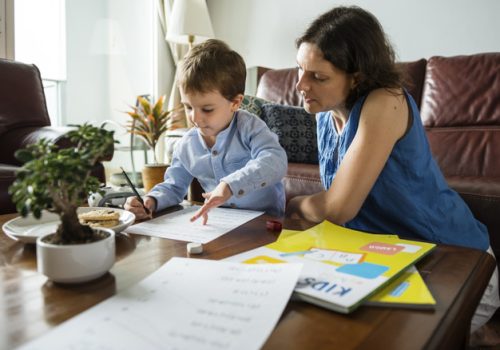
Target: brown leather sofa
column 459, row 99
column 23, row 120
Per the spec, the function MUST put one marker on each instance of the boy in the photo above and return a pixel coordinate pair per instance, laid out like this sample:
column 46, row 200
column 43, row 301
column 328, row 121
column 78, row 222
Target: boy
column 233, row 154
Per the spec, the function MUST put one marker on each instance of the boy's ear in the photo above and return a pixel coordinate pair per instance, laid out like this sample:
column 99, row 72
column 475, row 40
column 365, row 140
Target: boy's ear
column 236, row 102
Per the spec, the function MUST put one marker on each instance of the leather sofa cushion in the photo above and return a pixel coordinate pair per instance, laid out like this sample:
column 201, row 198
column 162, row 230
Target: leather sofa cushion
column 414, row 74
column 462, row 91
column 279, row 86
column 7, row 177
column 301, row 179
column 23, row 99
column 460, row 112
column 466, row 151
column 482, row 195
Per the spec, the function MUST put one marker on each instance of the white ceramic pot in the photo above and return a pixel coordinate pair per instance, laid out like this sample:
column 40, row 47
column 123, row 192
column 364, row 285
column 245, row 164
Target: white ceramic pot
column 76, row 263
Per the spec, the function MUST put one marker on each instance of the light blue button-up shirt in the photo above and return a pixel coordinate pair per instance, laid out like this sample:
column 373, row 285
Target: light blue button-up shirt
column 246, row 155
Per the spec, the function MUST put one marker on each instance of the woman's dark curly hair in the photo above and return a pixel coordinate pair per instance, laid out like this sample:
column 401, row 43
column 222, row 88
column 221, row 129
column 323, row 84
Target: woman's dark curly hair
column 353, row 40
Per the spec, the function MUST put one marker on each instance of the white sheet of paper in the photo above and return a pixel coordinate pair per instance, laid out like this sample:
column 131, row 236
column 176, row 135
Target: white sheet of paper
column 186, row 304
column 177, row 226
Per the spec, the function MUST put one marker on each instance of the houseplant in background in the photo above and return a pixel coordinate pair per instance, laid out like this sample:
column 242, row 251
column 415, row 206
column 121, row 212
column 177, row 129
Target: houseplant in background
column 57, row 180
column 149, row 121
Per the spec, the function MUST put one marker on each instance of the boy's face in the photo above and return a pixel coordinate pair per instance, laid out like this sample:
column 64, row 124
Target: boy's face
column 210, row 112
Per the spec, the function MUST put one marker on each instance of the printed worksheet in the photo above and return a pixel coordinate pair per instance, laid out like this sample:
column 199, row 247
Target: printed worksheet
column 177, row 226
column 186, row 304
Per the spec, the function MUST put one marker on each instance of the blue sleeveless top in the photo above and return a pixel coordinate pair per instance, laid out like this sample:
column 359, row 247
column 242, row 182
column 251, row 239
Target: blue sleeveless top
column 410, row 198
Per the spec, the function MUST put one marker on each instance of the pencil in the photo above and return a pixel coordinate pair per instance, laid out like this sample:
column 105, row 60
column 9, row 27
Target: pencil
column 137, row 195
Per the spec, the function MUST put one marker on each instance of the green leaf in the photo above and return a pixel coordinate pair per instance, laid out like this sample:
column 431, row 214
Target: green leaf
column 23, row 155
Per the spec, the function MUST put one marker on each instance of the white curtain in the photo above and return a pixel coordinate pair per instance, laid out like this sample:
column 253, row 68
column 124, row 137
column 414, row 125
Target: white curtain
column 178, row 119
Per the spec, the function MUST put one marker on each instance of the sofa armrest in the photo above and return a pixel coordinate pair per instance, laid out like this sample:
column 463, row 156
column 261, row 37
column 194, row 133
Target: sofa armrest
column 20, row 138
column 301, row 179
column 482, row 195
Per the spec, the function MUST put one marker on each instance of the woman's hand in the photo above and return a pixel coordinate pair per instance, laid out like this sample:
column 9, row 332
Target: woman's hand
column 133, row 205
column 212, row 200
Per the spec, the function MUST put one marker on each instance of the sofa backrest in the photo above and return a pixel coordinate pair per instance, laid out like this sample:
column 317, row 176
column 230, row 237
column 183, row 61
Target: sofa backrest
column 461, row 112
column 278, row 85
column 22, row 98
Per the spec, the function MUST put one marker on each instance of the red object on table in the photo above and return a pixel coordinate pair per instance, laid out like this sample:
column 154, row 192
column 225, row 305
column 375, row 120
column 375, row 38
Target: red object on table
column 274, row 225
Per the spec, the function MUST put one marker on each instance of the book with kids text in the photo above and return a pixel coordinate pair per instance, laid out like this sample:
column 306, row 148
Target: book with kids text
column 342, row 268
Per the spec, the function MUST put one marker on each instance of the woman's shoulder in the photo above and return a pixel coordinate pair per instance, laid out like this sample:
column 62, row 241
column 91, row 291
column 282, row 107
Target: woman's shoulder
column 388, row 102
column 386, row 109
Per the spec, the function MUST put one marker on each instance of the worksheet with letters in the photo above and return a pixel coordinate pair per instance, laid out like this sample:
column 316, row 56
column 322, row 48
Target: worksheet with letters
column 186, row 304
column 177, row 225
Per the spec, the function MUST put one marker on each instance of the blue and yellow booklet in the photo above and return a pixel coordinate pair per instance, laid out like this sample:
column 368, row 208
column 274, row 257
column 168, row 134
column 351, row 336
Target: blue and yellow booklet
column 342, row 267
column 407, row 291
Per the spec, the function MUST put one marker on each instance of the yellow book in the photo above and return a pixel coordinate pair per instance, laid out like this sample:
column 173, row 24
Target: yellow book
column 341, row 267
column 407, row 291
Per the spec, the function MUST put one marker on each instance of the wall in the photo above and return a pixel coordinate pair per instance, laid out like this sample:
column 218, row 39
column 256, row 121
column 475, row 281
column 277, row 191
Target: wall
column 3, row 41
column 110, row 62
column 109, row 59
column 86, row 89
column 264, row 31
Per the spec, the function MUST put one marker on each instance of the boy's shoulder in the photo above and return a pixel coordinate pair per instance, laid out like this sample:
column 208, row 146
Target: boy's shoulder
column 245, row 118
column 187, row 139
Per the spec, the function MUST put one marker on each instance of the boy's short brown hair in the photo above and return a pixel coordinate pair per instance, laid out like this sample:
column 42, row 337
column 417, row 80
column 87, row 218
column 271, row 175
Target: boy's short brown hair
column 213, row 66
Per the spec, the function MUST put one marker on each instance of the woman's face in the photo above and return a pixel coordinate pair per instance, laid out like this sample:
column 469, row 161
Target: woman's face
column 323, row 86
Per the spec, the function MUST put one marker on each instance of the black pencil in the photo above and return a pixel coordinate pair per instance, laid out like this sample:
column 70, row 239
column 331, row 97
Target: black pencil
column 137, row 195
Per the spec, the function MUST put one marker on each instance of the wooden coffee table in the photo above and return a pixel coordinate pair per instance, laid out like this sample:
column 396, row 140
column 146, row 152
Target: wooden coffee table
column 30, row 305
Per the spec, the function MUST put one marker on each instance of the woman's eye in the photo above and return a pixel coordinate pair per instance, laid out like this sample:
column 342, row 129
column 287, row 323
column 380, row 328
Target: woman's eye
column 208, row 110
column 319, row 78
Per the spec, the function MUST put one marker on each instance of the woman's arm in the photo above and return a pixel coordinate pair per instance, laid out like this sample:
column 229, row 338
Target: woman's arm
column 383, row 121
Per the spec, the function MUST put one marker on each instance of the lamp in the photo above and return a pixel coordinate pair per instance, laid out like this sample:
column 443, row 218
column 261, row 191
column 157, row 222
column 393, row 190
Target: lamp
column 189, row 22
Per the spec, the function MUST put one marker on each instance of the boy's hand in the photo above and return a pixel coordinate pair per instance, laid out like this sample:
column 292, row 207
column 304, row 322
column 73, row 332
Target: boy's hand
column 213, row 199
column 133, row 205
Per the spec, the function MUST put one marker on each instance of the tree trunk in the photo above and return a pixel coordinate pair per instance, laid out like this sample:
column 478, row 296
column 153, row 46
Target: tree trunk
column 70, row 231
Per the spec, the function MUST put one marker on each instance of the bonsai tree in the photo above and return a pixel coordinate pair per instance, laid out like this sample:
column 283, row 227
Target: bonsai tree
column 58, row 180
column 149, row 121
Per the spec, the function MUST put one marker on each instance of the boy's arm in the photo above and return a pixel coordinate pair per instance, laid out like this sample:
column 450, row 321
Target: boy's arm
column 213, row 199
column 268, row 163
column 174, row 187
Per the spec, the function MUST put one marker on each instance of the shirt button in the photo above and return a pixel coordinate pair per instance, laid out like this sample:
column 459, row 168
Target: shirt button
column 233, row 205
column 263, row 184
column 214, row 153
column 241, row 192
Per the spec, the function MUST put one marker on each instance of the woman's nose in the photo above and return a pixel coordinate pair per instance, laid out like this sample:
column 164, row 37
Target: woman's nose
column 301, row 85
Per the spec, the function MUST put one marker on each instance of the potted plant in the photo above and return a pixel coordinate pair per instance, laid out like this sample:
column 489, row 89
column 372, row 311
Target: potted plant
column 149, row 121
column 58, row 180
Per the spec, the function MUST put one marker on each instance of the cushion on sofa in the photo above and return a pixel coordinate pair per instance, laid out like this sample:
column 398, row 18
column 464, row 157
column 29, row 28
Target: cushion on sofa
column 22, row 95
column 414, row 74
column 278, row 86
column 296, row 130
column 460, row 112
column 253, row 104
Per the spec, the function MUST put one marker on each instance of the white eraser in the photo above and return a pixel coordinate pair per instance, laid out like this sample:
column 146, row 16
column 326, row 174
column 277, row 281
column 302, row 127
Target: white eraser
column 194, row 248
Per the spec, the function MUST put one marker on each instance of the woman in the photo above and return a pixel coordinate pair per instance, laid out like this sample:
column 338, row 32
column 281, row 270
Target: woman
column 375, row 161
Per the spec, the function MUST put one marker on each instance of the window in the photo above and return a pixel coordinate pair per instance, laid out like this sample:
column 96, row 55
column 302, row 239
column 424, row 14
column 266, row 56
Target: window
column 94, row 56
